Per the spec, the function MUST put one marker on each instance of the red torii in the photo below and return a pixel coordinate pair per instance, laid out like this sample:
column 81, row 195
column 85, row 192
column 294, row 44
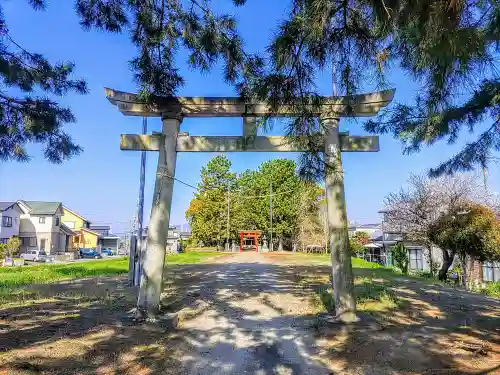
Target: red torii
column 250, row 234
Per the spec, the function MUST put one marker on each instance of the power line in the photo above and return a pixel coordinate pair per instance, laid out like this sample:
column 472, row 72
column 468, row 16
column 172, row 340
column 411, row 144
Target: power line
column 241, row 196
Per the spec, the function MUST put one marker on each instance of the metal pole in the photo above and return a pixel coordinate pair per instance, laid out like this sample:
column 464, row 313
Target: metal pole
column 140, row 208
column 228, row 209
column 485, row 179
column 271, row 216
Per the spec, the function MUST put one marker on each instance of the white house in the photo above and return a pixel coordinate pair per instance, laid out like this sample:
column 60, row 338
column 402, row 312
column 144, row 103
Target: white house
column 41, row 227
column 370, row 229
column 10, row 214
column 417, row 252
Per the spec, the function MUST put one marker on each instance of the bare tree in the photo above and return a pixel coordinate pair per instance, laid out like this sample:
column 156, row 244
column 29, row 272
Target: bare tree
column 412, row 210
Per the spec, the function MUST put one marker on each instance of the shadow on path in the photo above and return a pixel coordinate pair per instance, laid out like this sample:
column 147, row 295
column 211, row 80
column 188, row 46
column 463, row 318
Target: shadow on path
column 247, row 317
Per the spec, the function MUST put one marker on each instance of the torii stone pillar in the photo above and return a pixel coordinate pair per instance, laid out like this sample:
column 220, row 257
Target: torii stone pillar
column 152, row 275
column 338, row 239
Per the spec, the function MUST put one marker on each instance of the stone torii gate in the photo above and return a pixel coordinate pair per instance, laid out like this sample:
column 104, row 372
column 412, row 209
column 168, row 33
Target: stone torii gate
column 170, row 141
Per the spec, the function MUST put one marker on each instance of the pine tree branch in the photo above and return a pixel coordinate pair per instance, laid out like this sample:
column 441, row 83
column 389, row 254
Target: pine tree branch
column 483, row 16
column 477, row 152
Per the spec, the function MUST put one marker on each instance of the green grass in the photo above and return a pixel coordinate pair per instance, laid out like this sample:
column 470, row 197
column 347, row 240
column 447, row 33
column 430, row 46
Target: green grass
column 372, row 283
column 371, row 295
column 492, row 289
column 201, row 249
column 46, row 273
column 361, row 263
column 13, row 278
column 191, row 257
column 324, row 259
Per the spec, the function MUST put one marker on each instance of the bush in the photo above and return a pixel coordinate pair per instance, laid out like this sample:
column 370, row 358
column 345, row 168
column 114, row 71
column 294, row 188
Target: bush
column 3, row 250
column 400, row 257
column 492, row 289
column 423, row 274
column 13, row 246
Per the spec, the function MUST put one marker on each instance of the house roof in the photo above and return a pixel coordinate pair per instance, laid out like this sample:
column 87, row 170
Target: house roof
column 76, row 214
column 6, row 205
column 42, row 208
column 90, row 231
column 100, row 227
column 67, row 230
column 355, row 226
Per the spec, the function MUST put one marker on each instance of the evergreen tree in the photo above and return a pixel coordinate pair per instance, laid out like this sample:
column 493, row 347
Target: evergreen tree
column 207, row 213
column 249, row 201
column 27, row 113
column 446, row 46
column 160, row 28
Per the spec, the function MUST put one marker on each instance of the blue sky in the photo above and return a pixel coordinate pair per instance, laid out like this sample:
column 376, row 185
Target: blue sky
column 102, row 183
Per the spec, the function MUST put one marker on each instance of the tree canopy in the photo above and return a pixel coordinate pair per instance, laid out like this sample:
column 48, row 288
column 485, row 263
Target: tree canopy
column 358, row 241
column 470, row 230
column 447, row 47
column 355, row 41
column 412, row 211
column 28, row 114
column 249, row 198
column 208, row 210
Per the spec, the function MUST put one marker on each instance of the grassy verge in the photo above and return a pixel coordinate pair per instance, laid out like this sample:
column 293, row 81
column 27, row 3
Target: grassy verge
column 371, row 296
column 492, row 289
column 47, row 273
column 311, row 258
column 372, row 284
column 192, row 257
column 12, row 280
column 201, row 249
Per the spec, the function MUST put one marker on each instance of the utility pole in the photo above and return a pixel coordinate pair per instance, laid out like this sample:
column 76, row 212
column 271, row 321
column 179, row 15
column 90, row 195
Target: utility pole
column 485, row 179
column 228, row 210
column 140, row 212
column 271, row 215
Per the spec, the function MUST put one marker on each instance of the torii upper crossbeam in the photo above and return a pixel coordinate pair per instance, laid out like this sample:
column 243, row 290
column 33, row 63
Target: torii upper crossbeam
column 172, row 110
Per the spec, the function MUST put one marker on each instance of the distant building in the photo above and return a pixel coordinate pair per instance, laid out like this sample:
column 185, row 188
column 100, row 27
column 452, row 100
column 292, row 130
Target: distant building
column 106, row 239
column 88, row 235
column 41, row 227
column 370, row 229
column 84, row 237
column 419, row 254
column 10, row 218
column 174, row 237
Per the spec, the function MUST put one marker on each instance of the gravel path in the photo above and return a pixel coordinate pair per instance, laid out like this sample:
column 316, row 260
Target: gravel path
column 245, row 319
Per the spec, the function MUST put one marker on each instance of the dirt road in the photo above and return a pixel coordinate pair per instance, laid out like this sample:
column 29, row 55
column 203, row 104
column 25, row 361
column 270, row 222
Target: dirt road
column 247, row 319
column 251, row 314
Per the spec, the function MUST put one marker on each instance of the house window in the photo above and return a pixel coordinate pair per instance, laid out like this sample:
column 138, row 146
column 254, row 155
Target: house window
column 57, row 222
column 416, row 259
column 70, row 224
column 41, row 220
column 4, row 240
column 28, row 241
column 491, row 271
column 6, row 221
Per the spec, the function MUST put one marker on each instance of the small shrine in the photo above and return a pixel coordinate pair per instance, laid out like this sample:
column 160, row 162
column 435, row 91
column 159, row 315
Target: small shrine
column 250, row 235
